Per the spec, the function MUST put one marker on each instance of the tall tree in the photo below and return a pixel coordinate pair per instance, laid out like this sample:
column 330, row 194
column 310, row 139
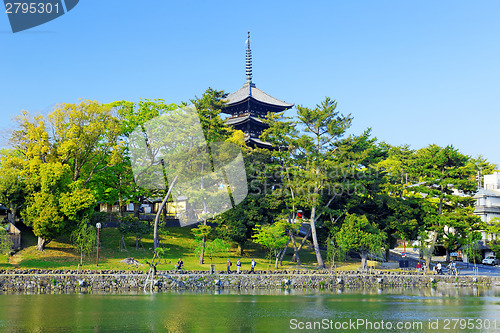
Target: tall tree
column 117, row 184
column 312, row 157
column 282, row 134
column 60, row 154
column 209, row 107
column 12, row 186
column 442, row 173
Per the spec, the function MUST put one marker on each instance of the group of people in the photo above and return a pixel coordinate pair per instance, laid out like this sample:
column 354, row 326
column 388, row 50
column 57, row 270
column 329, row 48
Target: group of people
column 452, row 268
column 180, row 263
column 238, row 266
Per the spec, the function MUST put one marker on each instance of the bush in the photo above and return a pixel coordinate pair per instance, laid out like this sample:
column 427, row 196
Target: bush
column 99, row 217
column 5, row 241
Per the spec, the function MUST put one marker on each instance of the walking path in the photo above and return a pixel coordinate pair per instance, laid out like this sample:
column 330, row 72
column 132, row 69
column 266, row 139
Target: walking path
column 464, row 269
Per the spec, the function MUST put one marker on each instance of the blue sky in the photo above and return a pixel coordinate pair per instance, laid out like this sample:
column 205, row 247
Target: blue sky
column 417, row 72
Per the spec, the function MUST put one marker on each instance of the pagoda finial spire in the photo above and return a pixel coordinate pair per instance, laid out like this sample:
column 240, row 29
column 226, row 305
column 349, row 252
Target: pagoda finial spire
column 249, row 60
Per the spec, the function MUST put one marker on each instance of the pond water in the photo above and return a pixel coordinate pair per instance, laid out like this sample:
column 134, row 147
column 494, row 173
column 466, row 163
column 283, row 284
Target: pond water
column 348, row 310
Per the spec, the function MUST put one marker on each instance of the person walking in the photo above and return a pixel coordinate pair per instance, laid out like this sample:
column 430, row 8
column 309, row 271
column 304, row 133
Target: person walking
column 238, row 266
column 452, row 268
column 252, row 266
column 439, row 268
column 419, row 267
column 228, row 264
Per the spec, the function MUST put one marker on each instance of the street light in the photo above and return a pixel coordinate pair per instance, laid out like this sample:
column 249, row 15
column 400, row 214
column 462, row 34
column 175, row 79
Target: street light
column 98, row 226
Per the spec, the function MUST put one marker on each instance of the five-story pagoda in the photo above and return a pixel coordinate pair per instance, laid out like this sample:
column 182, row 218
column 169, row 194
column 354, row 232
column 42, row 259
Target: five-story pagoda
column 249, row 105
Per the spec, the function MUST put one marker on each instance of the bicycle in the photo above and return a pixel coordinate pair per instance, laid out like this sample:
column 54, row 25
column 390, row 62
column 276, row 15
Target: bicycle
column 452, row 271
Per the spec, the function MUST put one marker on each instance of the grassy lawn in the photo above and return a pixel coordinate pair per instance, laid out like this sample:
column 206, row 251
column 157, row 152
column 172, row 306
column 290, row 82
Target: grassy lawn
column 59, row 254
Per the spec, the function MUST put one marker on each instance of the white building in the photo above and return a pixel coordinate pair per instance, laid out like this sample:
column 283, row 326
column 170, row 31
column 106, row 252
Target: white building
column 488, row 202
column 488, row 198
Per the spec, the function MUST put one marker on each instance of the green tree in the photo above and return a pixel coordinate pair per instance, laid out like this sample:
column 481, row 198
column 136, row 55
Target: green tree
column 12, row 187
column 282, row 134
column 117, row 183
column 473, row 253
column 58, row 205
column 273, row 237
column 493, row 230
column 209, row 107
column 84, row 238
column 5, row 241
column 212, row 248
column 237, row 225
column 439, row 172
column 333, row 252
column 155, row 261
column 358, row 234
column 59, row 156
column 200, row 234
column 462, row 228
column 131, row 225
column 309, row 157
column 404, row 216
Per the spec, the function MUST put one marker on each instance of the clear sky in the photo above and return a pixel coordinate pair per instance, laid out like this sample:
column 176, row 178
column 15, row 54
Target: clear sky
column 416, row 72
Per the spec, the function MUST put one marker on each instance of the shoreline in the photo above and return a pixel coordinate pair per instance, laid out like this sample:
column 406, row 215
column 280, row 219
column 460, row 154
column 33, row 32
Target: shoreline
column 108, row 280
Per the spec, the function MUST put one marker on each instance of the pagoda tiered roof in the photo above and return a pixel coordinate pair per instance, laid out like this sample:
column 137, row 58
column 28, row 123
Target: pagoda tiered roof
column 249, row 93
column 249, row 105
column 252, row 141
column 246, row 118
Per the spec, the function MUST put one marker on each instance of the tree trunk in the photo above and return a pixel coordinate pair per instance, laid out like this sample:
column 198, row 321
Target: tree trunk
column 284, row 252
column 277, row 259
column 431, row 250
column 239, row 251
column 42, row 242
column 157, row 217
column 319, row 259
column 364, row 258
column 296, row 256
column 13, row 212
column 137, row 206
column 202, row 252
column 120, row 207
column 447, row 255
column 295, row 250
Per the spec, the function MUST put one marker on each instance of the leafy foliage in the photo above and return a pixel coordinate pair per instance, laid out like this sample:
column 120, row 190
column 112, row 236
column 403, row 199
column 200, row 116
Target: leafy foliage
column 272, row 236
column 56, row 157
column 84, row 238
column 358, row 234
column 5, row 241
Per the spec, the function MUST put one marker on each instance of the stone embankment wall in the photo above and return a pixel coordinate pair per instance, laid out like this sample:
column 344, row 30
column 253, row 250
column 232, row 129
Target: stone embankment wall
column 59, row 280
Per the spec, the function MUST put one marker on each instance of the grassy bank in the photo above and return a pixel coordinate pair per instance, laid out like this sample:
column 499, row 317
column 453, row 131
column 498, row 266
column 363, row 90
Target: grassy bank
column 59, row 254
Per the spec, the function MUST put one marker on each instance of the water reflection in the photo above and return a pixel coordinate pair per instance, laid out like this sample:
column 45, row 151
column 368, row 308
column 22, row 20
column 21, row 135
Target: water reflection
column 435, row 291
column 241, row 310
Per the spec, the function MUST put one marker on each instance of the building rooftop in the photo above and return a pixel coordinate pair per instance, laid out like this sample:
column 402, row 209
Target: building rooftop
column 242, row 119
column 250, row 91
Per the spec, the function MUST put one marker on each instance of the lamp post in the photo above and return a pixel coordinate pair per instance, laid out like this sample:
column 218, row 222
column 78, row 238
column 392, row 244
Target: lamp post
column 98, row 226
column 419, row 248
